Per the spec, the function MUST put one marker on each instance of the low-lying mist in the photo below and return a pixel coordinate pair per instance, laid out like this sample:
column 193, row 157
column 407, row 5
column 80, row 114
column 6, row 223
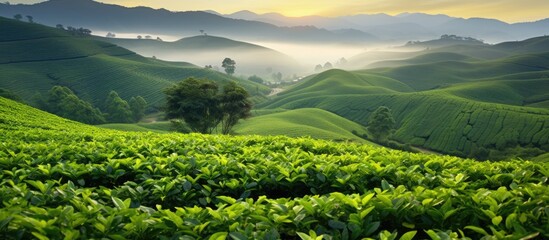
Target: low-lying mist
column 291, row 59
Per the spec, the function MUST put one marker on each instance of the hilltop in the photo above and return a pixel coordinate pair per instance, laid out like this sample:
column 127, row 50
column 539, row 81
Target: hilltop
column 33, row 58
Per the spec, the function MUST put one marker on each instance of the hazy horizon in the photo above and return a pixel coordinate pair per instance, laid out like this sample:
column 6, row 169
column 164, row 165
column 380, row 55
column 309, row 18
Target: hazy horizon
column 504, row 10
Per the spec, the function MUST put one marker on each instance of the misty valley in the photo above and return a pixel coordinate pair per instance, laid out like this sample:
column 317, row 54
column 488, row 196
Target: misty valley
column 136, row 122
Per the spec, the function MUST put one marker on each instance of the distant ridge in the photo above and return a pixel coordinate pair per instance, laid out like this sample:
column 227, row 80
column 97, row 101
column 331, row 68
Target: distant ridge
column 409, row 26
column 114, row 18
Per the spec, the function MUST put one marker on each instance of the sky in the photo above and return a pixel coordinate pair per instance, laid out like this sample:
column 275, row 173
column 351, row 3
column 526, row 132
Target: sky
column 506, row 10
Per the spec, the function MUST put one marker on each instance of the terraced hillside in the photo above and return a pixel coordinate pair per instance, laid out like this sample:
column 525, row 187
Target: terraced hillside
column 61, row 179
column 456, row 107
column 33, row 58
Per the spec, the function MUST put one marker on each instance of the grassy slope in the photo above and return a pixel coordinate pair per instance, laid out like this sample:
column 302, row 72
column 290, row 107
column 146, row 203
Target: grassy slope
column 315, row 123
column 484, row 109
column 33, row 58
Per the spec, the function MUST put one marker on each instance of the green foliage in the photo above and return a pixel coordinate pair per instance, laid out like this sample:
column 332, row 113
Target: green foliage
column 229, row 65
column 381, row 123
column 117, row 109
column 195, row 101
column 9, row 95
column 198, row 102
column 61, row 179
column 63, row 102
column 138, row 105
column 256, row 79
column 235, row 105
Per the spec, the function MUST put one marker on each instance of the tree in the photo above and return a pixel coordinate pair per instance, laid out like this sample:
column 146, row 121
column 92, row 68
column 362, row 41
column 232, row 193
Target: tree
column 60, row 26
column 256, row 79
column 199, row 103
column 196, row 102
column 63, row 102
column 30, row 19
column 381, row 123
column 111, row 35
column 138, row 105
column 229, row 65
column 318, row 68
column 18, row 17
column 117, row 109
column 328, row 65
column 234, row 105
column 139, row 37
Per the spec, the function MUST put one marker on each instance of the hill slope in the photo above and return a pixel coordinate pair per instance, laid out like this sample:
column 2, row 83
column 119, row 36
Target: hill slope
column 210, row 50
column 453, row 107
column 33, row 58
column 315, row 123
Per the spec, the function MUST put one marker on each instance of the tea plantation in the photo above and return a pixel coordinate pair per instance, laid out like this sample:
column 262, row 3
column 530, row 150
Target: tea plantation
column 65, row 180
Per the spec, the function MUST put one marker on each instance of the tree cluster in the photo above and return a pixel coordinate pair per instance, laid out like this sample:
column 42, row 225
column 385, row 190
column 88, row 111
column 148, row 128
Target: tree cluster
column 80, row 32
column 63, row 102
column 204, row 108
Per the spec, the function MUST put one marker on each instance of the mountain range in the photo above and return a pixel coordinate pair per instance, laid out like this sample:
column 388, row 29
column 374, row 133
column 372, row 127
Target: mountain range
column 408, row 26
column 143, row 20
column 249, row 26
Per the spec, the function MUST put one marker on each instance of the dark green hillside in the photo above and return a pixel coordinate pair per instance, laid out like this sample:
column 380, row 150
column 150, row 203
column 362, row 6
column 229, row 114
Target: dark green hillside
column 33, row 63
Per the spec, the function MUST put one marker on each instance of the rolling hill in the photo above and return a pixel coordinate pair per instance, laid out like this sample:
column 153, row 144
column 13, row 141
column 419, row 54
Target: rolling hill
column 34, row 58
column 456, row 106
column 211, row 50
column 314, row 122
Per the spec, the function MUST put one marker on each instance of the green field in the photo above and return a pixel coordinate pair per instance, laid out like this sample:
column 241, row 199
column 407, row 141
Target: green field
column 62, row 179
column 34, row 58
